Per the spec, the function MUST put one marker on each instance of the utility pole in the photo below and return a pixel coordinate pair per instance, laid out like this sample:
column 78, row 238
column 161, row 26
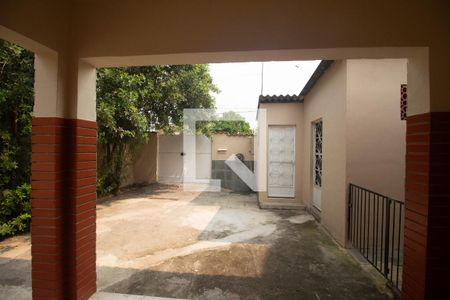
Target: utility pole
column 262, row 77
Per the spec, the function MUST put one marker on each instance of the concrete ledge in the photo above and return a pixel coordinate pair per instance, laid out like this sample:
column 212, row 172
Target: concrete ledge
column 281, row 203
column 115, row 296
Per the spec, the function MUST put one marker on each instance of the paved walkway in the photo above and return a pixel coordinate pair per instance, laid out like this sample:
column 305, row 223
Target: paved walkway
column 161, row 241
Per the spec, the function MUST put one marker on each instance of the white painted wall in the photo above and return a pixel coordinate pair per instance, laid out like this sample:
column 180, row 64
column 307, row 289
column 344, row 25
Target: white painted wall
column 203, row 157
column 170, row 161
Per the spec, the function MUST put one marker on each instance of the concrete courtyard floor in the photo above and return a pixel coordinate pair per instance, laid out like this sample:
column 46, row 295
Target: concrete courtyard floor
column 161, row 241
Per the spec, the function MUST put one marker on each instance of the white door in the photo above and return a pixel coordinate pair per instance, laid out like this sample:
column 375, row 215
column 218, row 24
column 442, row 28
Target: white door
column 281, row 161
column 171, row 155
column 170, row 159
column 317, row 164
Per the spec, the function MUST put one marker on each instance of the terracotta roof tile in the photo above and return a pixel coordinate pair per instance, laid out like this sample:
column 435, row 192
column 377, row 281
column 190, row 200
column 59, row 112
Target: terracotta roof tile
column 280, row 99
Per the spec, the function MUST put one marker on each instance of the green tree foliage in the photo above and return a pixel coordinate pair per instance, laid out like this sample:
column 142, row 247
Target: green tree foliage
column 130, row 103
column 239, row 127
column 133, row 101
column 16, row 103
column 121, row 124
column 168, row 90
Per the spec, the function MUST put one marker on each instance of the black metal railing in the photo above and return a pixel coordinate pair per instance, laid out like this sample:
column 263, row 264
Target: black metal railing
column 375, row 229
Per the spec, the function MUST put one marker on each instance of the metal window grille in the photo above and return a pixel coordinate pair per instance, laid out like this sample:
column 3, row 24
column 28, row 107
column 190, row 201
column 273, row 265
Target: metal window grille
column 318, row 153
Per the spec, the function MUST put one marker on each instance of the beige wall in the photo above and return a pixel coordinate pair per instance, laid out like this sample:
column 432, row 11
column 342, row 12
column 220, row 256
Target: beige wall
column 286, row 114
column 363, row 136
column 46, row 22
column 142, row 166
column 233, row 144
column 145, row 166
column 118, row 30
column 102, row 29
column 376, row 136
column 327, row 101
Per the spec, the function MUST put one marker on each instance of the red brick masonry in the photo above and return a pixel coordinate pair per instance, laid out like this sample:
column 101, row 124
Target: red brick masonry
column 63, row 198
column 426, row 272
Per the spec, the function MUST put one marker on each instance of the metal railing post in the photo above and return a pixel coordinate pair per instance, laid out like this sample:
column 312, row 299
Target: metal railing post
column 365, row 207
column 349, row 217
column 386, row 237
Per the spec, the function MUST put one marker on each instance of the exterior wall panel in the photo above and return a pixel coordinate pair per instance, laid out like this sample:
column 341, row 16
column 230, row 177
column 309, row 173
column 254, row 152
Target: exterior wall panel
column 376, row 135
column 327, row 101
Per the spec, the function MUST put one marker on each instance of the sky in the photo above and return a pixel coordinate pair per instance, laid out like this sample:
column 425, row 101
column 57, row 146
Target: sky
column 240, row 83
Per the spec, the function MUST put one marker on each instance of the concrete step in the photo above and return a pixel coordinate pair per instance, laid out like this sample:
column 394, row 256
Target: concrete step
column 281, row 204
column 116, row 296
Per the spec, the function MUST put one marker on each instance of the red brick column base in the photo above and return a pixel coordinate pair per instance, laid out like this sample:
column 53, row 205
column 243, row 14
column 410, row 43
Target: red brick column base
column 426, row 270
column 63, row 199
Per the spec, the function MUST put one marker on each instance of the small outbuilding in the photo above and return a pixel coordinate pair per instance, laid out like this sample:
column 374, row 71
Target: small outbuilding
column 345, row 127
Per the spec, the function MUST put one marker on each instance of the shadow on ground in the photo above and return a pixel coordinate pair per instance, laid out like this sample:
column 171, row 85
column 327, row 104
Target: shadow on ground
column 237, row 251
column 151, row 191
column 306, row 265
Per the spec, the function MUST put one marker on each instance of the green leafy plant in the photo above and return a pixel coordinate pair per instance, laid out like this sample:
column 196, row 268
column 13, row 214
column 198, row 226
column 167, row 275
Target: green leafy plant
column 16, row 102
column 15, row 210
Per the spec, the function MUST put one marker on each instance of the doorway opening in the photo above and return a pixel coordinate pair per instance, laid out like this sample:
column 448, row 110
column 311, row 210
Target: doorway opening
column 295, row 220
column 188, row 265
